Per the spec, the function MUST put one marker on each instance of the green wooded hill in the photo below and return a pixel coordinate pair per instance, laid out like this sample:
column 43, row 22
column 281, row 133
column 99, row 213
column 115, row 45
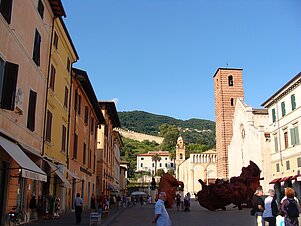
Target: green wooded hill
column 193, row 131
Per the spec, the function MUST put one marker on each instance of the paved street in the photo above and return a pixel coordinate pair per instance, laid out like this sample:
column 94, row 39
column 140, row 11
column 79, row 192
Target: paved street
column 137, row 216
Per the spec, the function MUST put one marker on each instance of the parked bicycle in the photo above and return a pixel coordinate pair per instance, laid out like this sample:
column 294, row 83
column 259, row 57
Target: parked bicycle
column 17, row 217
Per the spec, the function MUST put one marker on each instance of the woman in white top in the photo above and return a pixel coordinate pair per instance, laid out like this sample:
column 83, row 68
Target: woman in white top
column 267, row 214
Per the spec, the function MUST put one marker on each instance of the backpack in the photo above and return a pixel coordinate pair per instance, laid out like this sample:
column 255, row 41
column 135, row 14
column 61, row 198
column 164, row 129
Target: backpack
column 274, row 207
column 292, row 209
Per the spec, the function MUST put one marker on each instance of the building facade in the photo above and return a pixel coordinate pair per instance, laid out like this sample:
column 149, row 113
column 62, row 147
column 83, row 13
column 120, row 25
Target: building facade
column 250, row 141
column 228, row 87
column 24, row 62
column 284, row 109
column 145, row 162
column 106, row 149
column 198, row 166
column 56, row 128
column 85, row 116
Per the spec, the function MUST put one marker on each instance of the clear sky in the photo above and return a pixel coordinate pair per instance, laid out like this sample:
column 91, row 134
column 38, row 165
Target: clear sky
column 160, row 56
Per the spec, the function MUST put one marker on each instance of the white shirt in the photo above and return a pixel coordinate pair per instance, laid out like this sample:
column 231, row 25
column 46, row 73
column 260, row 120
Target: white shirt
column 78, row 201
column 268, row 207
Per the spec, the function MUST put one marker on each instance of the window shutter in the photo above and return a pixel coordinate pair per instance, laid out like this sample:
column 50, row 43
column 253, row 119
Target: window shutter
column 66, row 97
column 9, row 86
column 37, row 48
column 293, row 139
column 31, row 110
column 5, row 9
column 41, row 9
column 283, row 108
column 48, row 126
column 293, row 101
column 274, row 114
column 297, row 135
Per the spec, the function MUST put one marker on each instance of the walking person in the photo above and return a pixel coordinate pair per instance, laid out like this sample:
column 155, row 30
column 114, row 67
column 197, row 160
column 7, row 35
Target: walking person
column 161, row 217
column 258, row 207
column 93, row 202
column 178, row 201
column 290, row 208
column 270, row 208
column 78, row 204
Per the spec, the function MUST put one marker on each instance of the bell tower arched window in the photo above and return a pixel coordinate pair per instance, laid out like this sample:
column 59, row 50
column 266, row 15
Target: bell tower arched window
column 230, row 80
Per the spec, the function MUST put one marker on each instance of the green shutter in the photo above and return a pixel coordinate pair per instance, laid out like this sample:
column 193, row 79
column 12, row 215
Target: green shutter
column 274, row 115
column 296, row 135
column 293, row 139
column 293, row 101
column 283, row 108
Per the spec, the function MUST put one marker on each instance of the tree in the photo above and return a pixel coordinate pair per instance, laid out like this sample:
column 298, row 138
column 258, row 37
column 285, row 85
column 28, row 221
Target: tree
column 172, row 156
column 156, row 158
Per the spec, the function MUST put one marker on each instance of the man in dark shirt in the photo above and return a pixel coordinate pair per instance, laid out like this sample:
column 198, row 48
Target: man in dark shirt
column 258, row 206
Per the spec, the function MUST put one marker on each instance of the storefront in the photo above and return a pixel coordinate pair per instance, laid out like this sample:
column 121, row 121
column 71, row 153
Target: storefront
column 19, row 176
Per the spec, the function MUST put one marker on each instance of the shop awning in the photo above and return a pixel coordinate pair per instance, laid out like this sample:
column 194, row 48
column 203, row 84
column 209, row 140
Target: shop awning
column 275, row 180
column 71, row 173
column 55, row 168
column 28, row 168
column 295, row 177
column 285, row 179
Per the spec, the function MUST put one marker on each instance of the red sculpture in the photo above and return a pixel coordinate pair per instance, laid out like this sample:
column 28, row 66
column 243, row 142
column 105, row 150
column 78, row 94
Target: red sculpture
column 169, row 185
column 238, row 191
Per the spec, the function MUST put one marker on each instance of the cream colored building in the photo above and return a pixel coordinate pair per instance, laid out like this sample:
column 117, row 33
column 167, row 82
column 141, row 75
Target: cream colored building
column 197, row 166
column 284, row 109
column 250, row 141
column 146, row 163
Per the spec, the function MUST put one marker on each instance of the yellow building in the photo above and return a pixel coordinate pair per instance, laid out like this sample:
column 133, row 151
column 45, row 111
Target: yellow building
column 56, row 126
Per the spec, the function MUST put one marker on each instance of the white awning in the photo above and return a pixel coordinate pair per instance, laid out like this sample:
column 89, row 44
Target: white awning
column 29, row 168
column 55, row 168
column 71, row 173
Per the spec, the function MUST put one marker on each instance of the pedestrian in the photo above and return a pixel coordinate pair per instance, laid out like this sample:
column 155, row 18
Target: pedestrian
column 182, row 199
column 178, row 201
column 141, row 201
column 161, row 217
column 56, row 208
column 93, row 202
column 258, row 206
column 187, row 202
column 268, row 210
column 290, row 208
column 78, row 204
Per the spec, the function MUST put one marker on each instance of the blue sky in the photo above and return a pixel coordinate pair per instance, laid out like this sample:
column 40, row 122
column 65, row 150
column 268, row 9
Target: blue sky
column 160, row 56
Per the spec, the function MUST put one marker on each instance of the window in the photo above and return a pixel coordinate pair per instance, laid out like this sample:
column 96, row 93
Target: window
column 68, row 64
column 153, row 164
column 277, row 167
column 37, row 48
column 66, row 97
column 55, row 40
column 77, row 104
column 230, row 80
column 5, row 9
column 48, row 126
column 8, row 84
column 64, row 136
column 141, row 164
column 276, row 143
column 274, row 115
column 94, row 163
column 92, row 125
column 294, row 135
column 75, row 141
column 142, row 158
column 232, row 101
column 89, row 158
column 31, row 110
column 293, row 102
column 283, row 108
column 52, row 77
column 160, row 165
column 84, row 154
column 299, row 162
column 86, row 115
column 171, row 164
column 165, row 164
column 181, row 156
column 41, row 8
column 285, row 134
column 287, row 163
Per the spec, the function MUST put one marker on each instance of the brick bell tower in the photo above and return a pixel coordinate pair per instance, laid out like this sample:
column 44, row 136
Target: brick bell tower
column 228, row 87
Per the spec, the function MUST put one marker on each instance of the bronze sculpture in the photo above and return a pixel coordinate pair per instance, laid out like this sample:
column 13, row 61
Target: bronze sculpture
column 238, row 190
column 169, row 184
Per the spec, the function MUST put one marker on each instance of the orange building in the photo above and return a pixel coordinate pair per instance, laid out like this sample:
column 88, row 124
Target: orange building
column 105, row 146
column 24, row 62
column 85, row 117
